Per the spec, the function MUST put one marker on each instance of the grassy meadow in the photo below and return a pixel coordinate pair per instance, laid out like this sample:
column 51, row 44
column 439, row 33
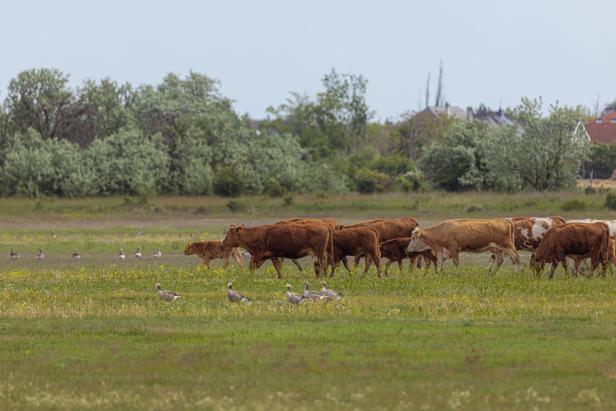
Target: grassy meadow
column 92, row 334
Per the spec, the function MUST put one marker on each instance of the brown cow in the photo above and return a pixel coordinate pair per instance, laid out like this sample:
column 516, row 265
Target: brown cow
column 386, row 229
column 275, row 241
column 329, row 222
column 356, row 241
column 573, row 239
column 210, row 250
column 611, row 253
column 395, row 251
column 450, row 237
column 529, row 231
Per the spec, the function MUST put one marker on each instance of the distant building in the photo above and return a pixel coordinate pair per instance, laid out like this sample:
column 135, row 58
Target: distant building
column 482, row 113
column 602, row 130
column 491, row 118
column 444, row 111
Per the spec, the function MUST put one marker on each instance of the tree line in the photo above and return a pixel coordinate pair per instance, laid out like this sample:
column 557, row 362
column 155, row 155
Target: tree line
column 183, row 137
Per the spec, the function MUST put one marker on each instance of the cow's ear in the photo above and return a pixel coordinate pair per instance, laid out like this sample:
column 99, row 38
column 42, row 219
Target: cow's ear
column 418, row 233
column 238, row 229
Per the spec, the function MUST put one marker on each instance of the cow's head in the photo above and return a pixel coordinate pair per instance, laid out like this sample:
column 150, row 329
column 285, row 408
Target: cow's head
column 190, row 249
column 537, row 264
column 232, row 236
column 417, row 243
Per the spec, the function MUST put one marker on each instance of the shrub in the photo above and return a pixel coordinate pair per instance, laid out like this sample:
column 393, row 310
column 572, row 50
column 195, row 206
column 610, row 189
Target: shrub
column 474, row 209
column 288, row 200
column 228, row 182
column 573, row 205
column 236, row 206
column 411, row 181
column 370, row 181
column 610, row 201
column 274, row 188
column 590, row 190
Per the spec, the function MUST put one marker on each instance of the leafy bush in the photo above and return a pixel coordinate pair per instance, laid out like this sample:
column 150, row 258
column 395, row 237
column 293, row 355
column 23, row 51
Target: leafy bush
column 128, row 162
column 236, row 206
column 274, row 188
column 370, row 181
column 573, row 205
column 288, row 200
column 610, row 201
column 411, row 181
column 229, row 182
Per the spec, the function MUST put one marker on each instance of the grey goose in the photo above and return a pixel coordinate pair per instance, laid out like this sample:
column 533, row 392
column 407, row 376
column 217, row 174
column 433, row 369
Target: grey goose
column 166, row 294
column 234, row 296
column 293, row 298
column 310, row 295
column 329, row 294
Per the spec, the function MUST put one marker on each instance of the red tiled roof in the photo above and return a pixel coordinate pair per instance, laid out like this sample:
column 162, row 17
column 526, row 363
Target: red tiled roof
column 602, row 133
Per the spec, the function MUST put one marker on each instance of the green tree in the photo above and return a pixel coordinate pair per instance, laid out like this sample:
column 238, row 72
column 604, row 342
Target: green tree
column 457, row 162
column 102, row 108
column 32, row 167
column 128, row 162
column 539, row 152
column 40, row 99
column 419, row 130
column 602, row 161
column 335, row 120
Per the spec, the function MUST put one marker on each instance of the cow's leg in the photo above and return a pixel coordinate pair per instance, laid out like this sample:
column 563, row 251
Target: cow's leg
column 440, row 261
column 387, row 266
column 419, row 263
column 257, row 263
column 356, row 260
column 594, row 263
column 206, row 262
column 299, row 267
column 552, row 269
column 560, row 256
column 377, row 263
column 577, row 261
column 277, row 262
column 455, row 257
column 238, row 257
column 515, row 258
column 400, row 266
column 345, row 263
column 493, row 257
column 225, row 258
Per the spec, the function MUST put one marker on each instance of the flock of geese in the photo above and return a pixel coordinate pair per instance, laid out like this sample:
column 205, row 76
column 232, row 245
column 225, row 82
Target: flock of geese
column 138, row 254
column 234, row 296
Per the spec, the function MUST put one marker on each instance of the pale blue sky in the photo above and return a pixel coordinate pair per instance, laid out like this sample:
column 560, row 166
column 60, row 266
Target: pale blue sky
column 493, row 51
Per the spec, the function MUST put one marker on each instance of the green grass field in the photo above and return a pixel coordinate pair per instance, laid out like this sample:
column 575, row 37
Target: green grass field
column 92, row 334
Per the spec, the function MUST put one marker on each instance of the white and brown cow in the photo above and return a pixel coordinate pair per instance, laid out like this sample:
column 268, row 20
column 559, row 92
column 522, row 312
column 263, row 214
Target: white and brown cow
column 449, row 238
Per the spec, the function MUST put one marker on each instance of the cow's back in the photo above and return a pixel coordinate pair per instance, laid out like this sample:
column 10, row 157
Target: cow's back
column 293, row 239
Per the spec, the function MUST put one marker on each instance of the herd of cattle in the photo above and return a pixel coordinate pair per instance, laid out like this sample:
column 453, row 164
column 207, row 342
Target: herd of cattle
column 551, row 240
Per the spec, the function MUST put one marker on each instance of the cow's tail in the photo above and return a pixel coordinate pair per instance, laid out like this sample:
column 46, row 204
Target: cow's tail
column 330, row 248
column 605, row 245
column 377, row 252
column 512, row 233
